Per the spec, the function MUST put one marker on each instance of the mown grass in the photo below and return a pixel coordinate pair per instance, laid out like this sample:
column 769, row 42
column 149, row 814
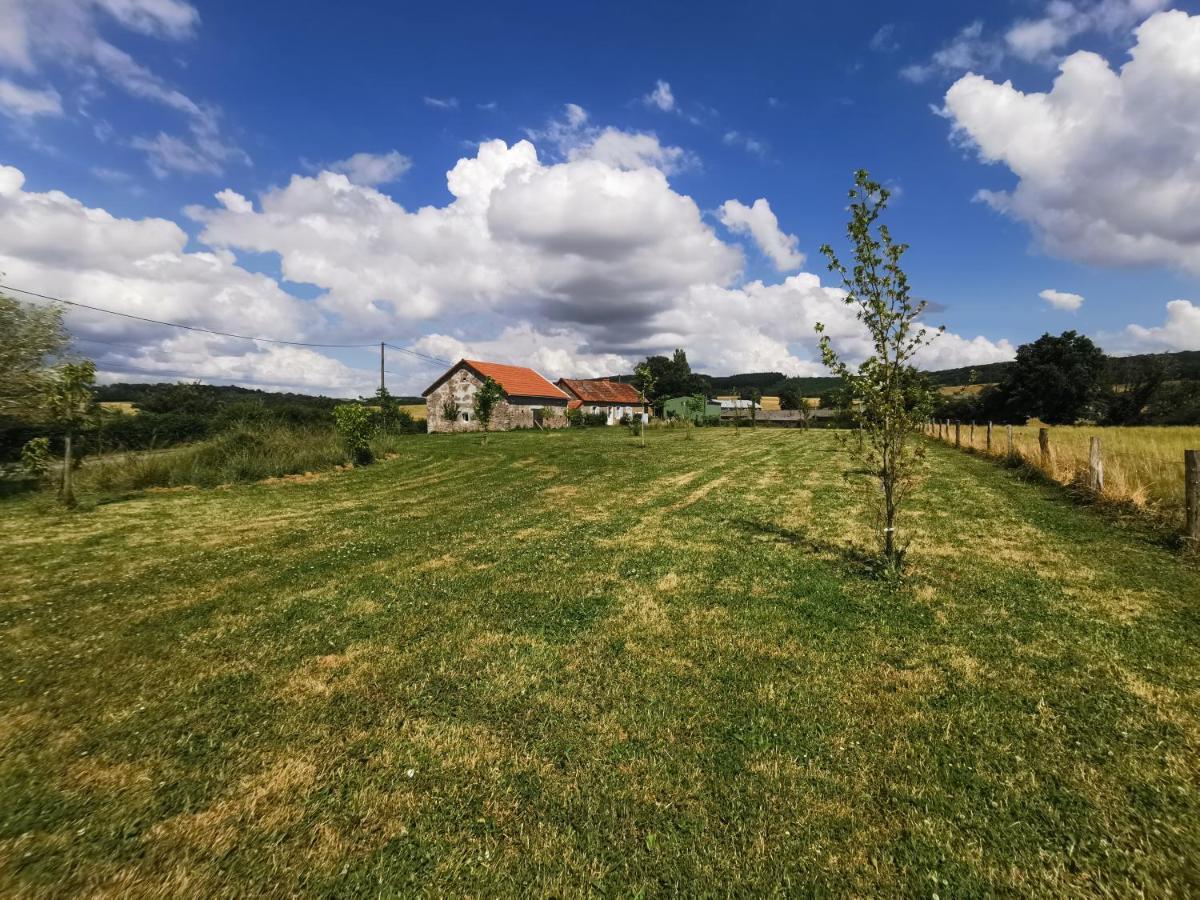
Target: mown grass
column 1143, row 465
column 564, row 664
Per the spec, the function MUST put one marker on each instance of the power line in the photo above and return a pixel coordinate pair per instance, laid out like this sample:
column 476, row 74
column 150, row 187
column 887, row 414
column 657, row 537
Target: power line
column 228, row 334
column 419, row 355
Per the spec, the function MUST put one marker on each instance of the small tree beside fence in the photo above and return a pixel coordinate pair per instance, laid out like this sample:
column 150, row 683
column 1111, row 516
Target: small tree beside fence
column 890, row 398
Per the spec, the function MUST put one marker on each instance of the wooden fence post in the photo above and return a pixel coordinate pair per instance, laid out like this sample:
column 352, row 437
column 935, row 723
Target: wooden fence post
column 1095, row 467
column 1044, row 446
column 971, row 440
column 989, row 438
column 1008, row 433
column 1191, row 476
column 957, row 436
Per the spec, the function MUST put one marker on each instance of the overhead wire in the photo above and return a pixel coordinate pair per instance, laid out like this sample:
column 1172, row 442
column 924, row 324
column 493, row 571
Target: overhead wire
column 215, row 332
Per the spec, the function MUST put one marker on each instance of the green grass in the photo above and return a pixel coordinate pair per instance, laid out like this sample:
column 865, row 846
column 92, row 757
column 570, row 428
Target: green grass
column 563, row 664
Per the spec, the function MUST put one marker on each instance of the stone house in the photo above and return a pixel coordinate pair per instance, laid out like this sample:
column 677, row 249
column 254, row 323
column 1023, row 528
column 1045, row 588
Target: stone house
column 529, row 400
column 598, row 395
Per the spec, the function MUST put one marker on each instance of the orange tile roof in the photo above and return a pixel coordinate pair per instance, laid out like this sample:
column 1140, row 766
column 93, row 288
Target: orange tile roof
column 516, row 381
column 600, row 390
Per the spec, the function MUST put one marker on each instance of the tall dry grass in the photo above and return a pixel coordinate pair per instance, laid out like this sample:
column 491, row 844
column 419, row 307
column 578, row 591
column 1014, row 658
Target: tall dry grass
column 249, row 453
column 1143, row 465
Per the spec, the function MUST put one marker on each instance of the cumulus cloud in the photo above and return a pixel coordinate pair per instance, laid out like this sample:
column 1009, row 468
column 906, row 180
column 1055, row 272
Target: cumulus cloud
column 760, row 223
column 373, row 168
column 573, row 136
column 1040, row 39
column 575, row 264
column 66, row 36
column 1180, row 331
column 19, row 102
column 1107, row 164
column 60, row 247
column 1062, row 299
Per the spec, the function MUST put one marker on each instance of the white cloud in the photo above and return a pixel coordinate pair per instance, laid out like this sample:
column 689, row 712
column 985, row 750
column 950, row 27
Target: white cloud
column 441, row 102
column 169, row 18
column 1107, row 164
column 57, row 246
column 760, row 223
column 579, row 266
column 373, row 168
column 661, row 97
column 574, row 137
column 1039, row 40
column 750, row 144
column 1180, row 331
column 884, row 39
column 64, row 36
column 26, row 103
column 1062, row 299
column 968, row 50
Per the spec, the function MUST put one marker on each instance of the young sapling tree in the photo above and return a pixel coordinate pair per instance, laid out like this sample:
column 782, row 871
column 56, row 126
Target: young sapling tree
column 71, row 405
column 486, row 398
column 888, row 397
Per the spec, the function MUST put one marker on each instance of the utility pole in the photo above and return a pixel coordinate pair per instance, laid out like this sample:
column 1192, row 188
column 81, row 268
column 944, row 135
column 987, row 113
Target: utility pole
column 381, row 386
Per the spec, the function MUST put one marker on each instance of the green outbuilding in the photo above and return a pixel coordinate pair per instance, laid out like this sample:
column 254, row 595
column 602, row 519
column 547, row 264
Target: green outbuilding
column 679, row 408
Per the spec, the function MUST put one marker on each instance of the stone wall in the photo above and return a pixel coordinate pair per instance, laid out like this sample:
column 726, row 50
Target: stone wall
column 462, row 385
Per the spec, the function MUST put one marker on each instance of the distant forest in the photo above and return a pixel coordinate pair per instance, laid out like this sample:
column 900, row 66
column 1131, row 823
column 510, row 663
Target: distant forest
column 1184, row 366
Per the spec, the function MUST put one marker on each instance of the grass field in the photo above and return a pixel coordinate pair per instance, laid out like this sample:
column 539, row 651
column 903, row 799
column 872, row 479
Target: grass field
column 416, row 410
column 1143, row 465
column 563, row 664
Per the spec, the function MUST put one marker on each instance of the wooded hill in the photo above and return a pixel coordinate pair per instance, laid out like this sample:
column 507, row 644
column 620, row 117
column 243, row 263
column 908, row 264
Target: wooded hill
column 1184, row 366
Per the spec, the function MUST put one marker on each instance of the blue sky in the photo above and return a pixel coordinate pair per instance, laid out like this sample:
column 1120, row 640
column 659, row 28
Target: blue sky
column 146, row 109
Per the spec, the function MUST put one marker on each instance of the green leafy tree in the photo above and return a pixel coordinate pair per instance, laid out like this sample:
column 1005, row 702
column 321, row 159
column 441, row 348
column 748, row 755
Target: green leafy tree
column 889, row 398
column 355, row 426
column 71, row 405
column 30, row 338
column 1127, row 403
column 486, row 398
column 451, row 410
column 1057, row 378
column 35, row 457
column 755, row 400
column 388, row 419
column 668, row 377
column 791, row 394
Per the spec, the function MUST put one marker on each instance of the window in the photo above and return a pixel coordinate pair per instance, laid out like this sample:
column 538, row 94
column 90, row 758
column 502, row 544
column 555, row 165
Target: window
column 466, row 417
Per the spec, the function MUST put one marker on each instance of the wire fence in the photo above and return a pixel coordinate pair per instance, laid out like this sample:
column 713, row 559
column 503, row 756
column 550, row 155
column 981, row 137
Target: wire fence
column 1152, row 467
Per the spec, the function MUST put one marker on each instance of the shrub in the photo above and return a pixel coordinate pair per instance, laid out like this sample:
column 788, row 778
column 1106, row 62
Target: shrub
column 35, row 458
column 355, row 426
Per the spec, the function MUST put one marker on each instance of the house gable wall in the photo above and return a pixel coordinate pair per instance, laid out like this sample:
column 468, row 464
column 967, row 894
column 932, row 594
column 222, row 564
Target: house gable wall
column 509, row 413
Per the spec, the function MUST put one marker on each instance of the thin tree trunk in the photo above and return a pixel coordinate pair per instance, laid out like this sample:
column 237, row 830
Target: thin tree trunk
column 68, row 490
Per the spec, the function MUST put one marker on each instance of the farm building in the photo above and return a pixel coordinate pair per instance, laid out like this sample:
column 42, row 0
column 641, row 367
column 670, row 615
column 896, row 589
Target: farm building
column 529, row 401
column 733, row 402
column 598, row 395
column 678, row 408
